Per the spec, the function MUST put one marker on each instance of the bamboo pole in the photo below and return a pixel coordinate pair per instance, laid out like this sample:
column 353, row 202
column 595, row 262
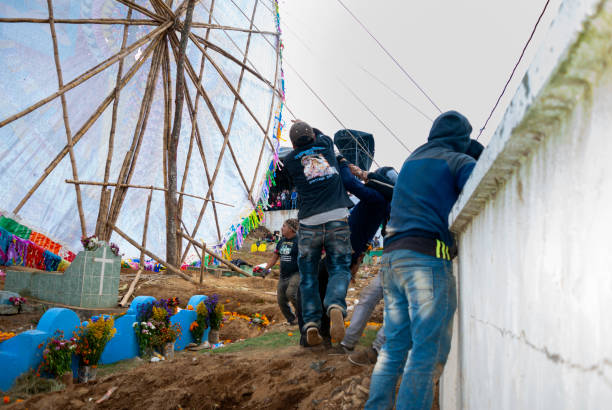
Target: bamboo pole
column 150, row 254
column 216, row 256
column 141, row 9
column 134, row 22
column 129, row 162
column 89, row 73
column 71, row 181
column 202, row 263
column 162, row 8
column 90, row 121
column 167, row 123
column 105, row 194
column 105, row 197
column 172, row 226
column 60, row 82
column 126, row 297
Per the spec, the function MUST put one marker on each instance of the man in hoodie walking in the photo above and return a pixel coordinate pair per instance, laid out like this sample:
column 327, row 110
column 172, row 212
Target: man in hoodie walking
column 417, row 277
column 323, row 217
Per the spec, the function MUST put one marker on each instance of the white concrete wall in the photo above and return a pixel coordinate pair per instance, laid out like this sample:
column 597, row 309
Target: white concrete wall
column 273, row 220
column 534, row 223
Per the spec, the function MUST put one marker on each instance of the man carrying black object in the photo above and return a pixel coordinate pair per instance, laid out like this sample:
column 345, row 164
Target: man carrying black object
column 323, row 213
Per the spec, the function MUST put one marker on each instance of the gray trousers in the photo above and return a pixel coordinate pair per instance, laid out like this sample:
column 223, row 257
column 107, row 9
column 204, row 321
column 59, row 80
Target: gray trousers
column 368, row 299
column 286, row 292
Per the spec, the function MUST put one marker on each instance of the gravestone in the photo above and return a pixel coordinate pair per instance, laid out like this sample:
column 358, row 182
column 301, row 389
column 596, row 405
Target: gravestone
column 24, row 351
column 91, row 281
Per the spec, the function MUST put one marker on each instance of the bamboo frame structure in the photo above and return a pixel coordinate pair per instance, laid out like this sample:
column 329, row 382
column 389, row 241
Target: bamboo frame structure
column 159, row 46
column 154, row 188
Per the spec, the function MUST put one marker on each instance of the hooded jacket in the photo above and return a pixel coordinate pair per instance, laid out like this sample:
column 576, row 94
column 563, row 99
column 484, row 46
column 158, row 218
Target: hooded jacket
column 430, row 182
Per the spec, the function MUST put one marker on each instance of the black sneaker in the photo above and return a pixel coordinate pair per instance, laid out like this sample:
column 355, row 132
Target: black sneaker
column 365, row 357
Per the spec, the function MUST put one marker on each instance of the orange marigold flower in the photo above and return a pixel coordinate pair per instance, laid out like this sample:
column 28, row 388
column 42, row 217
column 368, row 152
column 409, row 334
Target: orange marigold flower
column 189, row 307
column 289, row 334
column 7, row 399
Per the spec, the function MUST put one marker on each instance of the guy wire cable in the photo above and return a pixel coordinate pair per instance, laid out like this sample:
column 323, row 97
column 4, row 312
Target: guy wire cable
column 391, row 56
column 373, row 114
column 398, row 95
column 362, row 103
column 514, row 69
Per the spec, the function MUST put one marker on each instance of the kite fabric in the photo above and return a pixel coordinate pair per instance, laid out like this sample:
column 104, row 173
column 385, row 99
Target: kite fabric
column 31, row 143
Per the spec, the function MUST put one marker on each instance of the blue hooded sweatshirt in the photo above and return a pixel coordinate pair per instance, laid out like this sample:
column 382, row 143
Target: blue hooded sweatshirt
column 430, row 182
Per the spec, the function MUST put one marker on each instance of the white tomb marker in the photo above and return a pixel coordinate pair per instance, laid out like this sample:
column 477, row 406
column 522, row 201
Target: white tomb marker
column 104, row 262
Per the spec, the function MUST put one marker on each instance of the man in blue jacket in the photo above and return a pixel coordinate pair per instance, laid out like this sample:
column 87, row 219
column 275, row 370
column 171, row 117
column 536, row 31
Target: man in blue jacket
column 323, row 215
column 418, row 282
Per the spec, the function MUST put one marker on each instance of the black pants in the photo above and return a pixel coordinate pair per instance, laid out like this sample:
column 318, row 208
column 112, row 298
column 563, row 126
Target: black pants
column 324, row 331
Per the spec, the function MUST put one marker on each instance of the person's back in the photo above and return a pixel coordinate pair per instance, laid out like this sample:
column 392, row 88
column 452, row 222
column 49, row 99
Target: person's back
column 314, row 171
column 419, row 286
column 323, row 212
column 430, row 182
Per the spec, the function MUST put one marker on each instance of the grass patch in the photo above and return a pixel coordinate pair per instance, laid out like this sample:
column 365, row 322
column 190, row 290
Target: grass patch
column 368, row 337
column 270, row 340
column 276, row 340
column 28, row 384
column 122, row 366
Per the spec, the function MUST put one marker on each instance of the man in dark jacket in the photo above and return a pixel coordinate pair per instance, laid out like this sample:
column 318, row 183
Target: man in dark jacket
column 419, row 286
column 323, row 213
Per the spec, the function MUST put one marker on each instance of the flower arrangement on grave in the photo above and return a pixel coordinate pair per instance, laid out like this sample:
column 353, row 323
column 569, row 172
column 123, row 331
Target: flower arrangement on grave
column 153, row 329
column 92, row 337
column 173, row 303
column 199, row 325
column 144, row 335
column 18, row 302
column 114, row 248
column 6, row 336
column 91, row 243
column 57, row 355
column 215, row 317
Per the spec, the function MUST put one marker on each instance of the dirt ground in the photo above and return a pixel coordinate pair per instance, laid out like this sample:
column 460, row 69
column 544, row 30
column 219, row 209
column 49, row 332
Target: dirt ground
column 282, row 378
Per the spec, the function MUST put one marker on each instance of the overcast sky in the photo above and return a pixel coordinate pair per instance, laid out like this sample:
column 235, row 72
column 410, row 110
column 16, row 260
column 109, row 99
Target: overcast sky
column 461, row 52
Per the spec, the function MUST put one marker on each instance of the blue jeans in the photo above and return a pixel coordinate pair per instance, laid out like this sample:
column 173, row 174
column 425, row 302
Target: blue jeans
column 334, row 237
column 420, row 301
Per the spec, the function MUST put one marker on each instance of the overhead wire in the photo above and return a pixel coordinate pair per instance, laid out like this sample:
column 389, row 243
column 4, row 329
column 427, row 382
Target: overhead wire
column 398, row 95
column 391, row 56
column 357, row 97
column 514, row 69
column 374, row 115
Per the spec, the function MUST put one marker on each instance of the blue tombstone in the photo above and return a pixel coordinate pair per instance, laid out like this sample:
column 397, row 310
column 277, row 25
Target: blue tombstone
column 125, row 345
column 22, row 352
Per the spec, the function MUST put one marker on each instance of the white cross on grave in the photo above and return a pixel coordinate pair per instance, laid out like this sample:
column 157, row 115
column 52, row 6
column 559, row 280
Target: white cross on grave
column 104, row 262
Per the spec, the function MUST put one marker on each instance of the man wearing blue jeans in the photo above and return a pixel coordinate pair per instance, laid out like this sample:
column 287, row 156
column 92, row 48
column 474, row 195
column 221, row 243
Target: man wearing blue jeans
column 417, row 277
column 323, row 215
